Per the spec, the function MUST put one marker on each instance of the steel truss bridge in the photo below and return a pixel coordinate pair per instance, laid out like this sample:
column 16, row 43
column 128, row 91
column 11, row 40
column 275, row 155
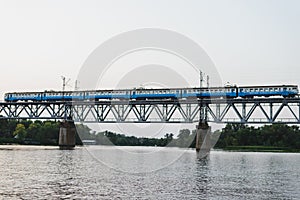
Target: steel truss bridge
column 255, row 111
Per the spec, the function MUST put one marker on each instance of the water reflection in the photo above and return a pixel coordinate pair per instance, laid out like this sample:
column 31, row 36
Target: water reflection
column 62, row 181
column 54, row 174
column 202, row 179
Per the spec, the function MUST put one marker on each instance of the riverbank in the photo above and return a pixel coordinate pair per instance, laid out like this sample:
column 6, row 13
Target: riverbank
column 259, row 149
column 14, row 146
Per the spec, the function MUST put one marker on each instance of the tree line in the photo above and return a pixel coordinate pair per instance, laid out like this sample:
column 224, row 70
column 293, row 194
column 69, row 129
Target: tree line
column 47, row 133
column 276, row 135
column 29, row 132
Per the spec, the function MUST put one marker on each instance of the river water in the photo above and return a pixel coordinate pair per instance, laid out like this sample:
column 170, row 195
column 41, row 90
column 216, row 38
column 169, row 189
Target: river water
column 107, row 172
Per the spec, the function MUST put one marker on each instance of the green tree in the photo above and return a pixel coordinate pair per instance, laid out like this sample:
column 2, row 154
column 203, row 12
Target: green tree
column 33, row 130
column 20, row 132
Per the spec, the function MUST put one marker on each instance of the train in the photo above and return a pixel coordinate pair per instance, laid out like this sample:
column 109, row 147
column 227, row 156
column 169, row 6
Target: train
column 170, row 93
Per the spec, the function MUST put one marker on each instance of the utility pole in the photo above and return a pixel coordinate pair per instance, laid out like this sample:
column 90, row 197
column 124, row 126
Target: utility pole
column 201, row 79
column 207, row 81
column 76, row 85
column 64, row 83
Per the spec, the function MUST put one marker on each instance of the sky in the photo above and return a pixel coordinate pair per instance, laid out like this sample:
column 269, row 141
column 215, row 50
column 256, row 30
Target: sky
column 253, row 42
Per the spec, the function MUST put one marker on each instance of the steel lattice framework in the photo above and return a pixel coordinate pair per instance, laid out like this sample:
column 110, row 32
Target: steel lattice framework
column 256, row 110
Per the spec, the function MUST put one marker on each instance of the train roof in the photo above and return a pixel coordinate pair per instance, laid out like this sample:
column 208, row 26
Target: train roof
column 267, row 86
column 116, row 90
column 151, row 89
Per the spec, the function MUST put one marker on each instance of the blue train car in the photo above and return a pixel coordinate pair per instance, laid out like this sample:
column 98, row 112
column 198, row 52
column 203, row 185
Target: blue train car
column 155, row 94
column 215, row 92
column 172, row 93
column 25, row 96
column 267, row 91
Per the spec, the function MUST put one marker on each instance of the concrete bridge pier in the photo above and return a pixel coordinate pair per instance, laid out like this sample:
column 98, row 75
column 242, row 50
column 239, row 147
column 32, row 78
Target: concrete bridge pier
column 67, row 134
column 203, row 138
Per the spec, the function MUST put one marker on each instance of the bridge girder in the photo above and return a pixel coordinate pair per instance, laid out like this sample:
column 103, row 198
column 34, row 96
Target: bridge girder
column 245, row 111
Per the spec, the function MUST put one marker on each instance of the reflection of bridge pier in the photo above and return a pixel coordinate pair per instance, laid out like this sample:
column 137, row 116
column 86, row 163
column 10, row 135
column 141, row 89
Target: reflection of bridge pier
column 67, row 134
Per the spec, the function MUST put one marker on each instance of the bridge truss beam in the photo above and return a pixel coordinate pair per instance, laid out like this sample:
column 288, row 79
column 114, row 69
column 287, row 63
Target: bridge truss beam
column 256, row 111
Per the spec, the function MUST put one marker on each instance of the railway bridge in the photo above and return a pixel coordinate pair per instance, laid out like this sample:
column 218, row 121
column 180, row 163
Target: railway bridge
column 257, row 110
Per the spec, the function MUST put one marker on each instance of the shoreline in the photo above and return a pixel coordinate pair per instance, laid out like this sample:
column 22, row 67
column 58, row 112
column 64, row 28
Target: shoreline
column 227, row 149
column 259, row 149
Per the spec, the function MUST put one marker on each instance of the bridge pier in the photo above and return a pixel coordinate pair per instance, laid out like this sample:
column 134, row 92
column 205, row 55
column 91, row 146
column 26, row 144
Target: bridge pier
column 203, row 138
column 67, row 134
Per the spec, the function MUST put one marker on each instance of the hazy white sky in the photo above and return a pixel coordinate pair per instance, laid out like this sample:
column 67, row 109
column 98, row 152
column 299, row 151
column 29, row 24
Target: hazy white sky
column 250, row 41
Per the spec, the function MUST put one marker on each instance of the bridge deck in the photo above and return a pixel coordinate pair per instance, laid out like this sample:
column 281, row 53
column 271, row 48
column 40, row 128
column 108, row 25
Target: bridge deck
column 237, row 110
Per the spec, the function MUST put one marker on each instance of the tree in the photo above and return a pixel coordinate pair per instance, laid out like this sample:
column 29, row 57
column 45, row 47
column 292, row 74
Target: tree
column 20, row 132
column 33, row 130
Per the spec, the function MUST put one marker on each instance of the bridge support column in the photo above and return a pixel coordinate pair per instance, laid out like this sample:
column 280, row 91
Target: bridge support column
column 203, row 138
column 67, row 134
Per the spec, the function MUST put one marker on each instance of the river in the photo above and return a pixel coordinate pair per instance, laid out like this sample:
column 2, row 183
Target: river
column 108, row 172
